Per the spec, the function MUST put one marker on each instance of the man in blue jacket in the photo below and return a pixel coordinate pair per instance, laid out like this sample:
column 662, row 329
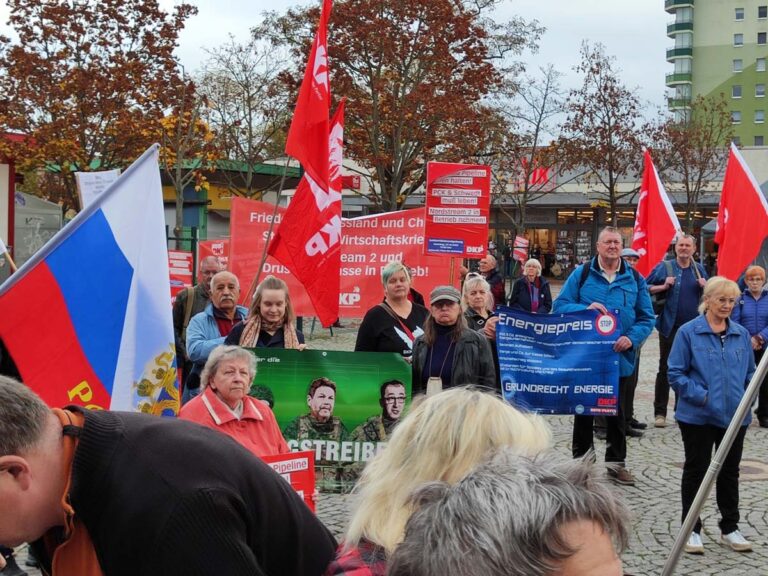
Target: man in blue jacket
column 610, row 285
column 682, row 279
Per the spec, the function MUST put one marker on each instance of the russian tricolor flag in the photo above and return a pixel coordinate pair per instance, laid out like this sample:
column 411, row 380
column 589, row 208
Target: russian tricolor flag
column 88, row 319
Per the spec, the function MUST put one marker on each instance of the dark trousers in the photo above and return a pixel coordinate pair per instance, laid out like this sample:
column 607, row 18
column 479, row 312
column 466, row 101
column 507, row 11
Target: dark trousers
column 616, row 430
column 661, row 392
column 762, row 396
column 698, row 442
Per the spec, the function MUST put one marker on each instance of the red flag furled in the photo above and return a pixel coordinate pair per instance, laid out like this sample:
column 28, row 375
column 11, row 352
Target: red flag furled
column 742, row 220
column 656, row 223
column 308, row 240
column 307, row 139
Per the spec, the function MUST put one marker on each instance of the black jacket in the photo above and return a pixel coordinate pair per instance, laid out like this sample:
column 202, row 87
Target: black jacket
column 521, row 296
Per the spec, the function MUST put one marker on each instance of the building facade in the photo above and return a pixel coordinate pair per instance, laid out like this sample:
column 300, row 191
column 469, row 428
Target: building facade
column 721, row 47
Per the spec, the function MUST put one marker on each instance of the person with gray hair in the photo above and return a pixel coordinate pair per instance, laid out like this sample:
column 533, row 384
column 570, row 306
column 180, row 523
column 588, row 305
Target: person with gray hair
column 516, row 516
column 132, row 493
column 487, row 267
column 224, row 404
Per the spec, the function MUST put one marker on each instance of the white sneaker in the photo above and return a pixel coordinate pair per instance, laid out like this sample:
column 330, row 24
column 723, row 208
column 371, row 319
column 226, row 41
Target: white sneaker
column 735, row 541
column 694, row 544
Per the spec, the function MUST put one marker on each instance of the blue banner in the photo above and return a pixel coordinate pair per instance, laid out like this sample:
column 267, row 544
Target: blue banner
column 559, row 363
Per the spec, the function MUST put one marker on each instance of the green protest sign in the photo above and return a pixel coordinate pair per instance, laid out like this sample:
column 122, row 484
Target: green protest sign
column 333, row 403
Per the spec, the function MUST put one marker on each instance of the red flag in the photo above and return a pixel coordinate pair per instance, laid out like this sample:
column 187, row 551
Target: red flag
column 307, row 139
column 655, row 220
column 742, row 220
column 308, row 240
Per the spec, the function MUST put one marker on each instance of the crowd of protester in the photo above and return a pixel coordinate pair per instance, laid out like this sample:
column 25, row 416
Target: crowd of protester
column 467, row 484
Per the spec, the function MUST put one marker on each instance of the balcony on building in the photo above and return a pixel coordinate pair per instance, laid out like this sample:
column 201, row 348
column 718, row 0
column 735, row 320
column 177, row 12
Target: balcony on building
column 679, row 103
column 674, row 27
column 673, row 53
column 675, row 78
column 672, row 5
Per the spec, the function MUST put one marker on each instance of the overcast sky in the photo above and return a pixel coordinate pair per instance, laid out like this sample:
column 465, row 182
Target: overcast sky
column 634, row 31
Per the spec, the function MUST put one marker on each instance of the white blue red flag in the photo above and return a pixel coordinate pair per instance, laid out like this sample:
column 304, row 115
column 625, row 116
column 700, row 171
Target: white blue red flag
column 87, row 319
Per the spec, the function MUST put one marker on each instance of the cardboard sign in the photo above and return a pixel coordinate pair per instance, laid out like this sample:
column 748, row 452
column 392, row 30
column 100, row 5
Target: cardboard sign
column 91, row 184
column 298, row 469
column 458, row 209
column 180, row 269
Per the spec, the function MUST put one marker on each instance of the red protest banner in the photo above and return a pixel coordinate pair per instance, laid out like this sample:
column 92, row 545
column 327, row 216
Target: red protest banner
column 298, row 469
column 458, row 209
column 180, row 271
column 218, row 248
column 367, row 245
column 521, row 249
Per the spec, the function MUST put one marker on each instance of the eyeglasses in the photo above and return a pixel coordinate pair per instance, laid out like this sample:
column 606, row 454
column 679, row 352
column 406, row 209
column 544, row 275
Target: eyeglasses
column 755, row 279
column 443, row 304
column 394, row 399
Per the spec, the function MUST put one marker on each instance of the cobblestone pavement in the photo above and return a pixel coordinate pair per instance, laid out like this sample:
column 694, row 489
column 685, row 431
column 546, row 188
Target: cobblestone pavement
column 656, row 461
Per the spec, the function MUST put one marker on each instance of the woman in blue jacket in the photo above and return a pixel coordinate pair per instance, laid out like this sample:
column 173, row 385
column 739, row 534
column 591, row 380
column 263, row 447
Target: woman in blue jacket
column 710, row 365
column 751, row 311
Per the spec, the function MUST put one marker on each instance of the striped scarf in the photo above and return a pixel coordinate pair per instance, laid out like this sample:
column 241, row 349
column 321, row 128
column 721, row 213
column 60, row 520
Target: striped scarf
column 250, row 335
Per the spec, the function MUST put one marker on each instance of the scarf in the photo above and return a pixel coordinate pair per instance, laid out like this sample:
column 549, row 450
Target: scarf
column 252, row 329
column 533, row 292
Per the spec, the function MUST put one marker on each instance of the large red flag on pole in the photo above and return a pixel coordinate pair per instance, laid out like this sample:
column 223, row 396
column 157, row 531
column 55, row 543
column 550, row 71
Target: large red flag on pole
column 742, row 220
column 307, row 139
column 656, row 223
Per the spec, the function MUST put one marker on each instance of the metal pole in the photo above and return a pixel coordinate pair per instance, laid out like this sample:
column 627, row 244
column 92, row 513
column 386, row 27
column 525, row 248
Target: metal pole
column 714, row 466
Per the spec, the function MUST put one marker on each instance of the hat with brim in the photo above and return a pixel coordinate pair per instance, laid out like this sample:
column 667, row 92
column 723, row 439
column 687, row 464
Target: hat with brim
column 448, row 293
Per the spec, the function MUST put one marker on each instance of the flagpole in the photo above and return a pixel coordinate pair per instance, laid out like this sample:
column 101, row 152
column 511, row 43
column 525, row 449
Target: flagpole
column 714, row 467
column 255, row 282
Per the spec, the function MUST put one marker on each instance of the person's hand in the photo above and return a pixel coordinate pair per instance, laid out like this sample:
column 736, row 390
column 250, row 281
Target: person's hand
column 598, row 306
column 669, row 281
column 315, row 496
column 490, row 328
column 463, row 271
column 622, row 344
column 302, row 347
column 756, row 343
column 702, row 281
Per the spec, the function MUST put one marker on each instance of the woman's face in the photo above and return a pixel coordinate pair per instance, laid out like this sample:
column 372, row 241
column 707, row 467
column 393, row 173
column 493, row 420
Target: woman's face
column 397, row 286
column 531, row 271
column 445, row 312
column 476, row 298
column 755, row 282
column 232, row 380
column 272, row 308
column 720, row 305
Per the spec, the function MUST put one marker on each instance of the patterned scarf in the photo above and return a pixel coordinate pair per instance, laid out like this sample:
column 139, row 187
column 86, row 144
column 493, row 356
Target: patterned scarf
column 250, row 335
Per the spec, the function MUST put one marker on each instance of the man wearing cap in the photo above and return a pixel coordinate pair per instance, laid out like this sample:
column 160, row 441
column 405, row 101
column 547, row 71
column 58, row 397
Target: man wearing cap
column 682, row 280
column 449, row 353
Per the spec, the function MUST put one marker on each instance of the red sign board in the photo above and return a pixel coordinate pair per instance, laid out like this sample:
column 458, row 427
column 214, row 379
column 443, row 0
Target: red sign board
column 180, row 269
column 367, row 245
column 298, row 469
column 351, row 182
column 458, row 209
column 218, row 248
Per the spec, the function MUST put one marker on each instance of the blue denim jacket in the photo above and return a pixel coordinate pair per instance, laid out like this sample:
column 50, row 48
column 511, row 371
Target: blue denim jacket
column 666, row 320
column 709, row 377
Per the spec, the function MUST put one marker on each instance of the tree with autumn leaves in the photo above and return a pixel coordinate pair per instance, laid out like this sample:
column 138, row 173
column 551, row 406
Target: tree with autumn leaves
column 88, row 81
column 416, row 75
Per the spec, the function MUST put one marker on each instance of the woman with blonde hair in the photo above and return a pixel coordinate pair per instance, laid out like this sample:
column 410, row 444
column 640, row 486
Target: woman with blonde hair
column 442, row 439
column 531, row 292
column 271, row 322
column 476, row 300
column 710, row 366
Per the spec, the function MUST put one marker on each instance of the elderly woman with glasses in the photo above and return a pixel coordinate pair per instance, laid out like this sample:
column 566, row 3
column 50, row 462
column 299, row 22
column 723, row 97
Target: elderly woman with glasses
column 449, row 353
column 751, row 311
column 476, row 300
column 531, row 292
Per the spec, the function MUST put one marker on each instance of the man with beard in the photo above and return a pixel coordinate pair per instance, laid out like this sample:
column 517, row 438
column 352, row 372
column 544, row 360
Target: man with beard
column 209, row 328
column 378, row 428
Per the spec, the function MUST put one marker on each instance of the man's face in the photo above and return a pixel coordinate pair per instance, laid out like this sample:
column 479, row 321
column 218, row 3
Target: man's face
column 684, row 248
column 321, row 403
column 609, row 246
column 393, row 401
column 225, row 291
column 485, row 265
column 631, row 260
column 208, row 268
column 595, row 555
